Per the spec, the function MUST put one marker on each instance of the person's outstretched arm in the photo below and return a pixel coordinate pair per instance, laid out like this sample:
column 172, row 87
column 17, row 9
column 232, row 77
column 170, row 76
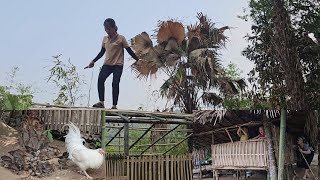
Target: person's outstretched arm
column 100, row 54
column 132, row 54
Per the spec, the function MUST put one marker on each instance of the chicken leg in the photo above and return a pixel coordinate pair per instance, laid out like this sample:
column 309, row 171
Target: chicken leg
column 88, row 177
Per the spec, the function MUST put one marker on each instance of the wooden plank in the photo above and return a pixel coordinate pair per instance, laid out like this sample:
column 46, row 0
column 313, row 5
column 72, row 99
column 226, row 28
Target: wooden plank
column 145, row 166
column 154, row 167
column 178, row 168
column 167, row 172
column 159, row 167
column 150, row 168
column 191, row 167
column 128, row 168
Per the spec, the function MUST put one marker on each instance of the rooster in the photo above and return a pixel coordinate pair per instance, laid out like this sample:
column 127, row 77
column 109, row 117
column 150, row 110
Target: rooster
column 82, row 156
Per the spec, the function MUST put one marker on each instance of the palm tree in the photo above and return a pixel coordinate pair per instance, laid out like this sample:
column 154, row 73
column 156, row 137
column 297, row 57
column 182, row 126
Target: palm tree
column 190, row 60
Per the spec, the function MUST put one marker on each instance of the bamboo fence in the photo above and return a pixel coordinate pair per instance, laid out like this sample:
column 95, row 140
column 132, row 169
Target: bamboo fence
column 149, row 167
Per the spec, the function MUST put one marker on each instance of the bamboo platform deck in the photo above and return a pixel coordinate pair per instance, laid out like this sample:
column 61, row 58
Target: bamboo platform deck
column 89, row 119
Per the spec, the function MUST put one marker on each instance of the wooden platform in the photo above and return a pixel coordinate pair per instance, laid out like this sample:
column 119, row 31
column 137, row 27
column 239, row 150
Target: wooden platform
column 88, row 119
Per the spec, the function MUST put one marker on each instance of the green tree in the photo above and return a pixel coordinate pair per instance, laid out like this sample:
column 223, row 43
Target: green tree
column 15, row 95
column 66, row 78
column 275, row 75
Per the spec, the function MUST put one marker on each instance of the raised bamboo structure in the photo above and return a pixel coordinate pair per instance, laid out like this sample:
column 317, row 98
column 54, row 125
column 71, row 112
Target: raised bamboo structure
column 126, row 165
column 240, row 155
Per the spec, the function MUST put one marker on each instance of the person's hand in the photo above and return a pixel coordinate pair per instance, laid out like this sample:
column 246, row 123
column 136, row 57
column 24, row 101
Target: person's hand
column 91, row 64
column 300, row 149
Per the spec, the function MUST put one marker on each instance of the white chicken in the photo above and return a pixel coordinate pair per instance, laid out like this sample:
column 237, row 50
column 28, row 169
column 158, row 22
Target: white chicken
column 82, row 156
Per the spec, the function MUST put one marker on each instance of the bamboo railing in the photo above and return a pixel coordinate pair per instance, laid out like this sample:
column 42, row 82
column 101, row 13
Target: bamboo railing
column 240, row 155
column 149, row 167
column 87, row 120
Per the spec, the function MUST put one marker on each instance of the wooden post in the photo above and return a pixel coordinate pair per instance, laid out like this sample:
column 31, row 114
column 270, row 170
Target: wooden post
column 214, row 171
column 104, row 130
column 104, row 137
column 126, row 139
column 272, row 173
column 318, row 144
column 282, row 143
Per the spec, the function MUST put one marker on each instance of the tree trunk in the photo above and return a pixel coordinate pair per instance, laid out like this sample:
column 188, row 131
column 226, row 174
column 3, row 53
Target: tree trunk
column 270, row 148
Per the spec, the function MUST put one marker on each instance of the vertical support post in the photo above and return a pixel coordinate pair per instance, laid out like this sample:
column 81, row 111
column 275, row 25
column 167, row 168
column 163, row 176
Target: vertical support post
column 126, row 139
column 104, row 130
column 272, row 164
column 282, row 143
column 104, row 137
column 214, row 171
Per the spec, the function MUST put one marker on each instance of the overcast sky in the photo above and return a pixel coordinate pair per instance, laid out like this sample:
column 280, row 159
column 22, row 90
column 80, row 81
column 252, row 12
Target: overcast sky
column 33, row 31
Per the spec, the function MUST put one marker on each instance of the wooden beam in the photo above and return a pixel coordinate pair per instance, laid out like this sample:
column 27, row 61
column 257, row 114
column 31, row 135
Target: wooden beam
column 160, row 139
column 168, row 144
column 251, row 123
column 229, row 135
column 141, row 136
column 149, row 121
column 178, row 144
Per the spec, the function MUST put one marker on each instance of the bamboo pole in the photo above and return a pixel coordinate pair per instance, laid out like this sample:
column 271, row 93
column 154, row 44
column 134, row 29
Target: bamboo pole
column 251, row 123
column 270, row 149
column 126, row 139
column 103, row 138
column 141, row 136
column 177, row 144
column 114, row 136
column 282, row 143
column 229, row 135
column 160, row 139
column 149, row 121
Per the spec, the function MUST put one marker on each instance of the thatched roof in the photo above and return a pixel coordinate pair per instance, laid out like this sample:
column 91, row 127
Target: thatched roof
column 205, row 122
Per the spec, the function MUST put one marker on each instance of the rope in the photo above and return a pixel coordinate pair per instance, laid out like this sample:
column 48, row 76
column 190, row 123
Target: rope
column 88, row 105
column 308, row 166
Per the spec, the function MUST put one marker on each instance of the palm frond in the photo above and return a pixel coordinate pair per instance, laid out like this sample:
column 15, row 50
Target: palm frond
column 170, row 29
column 209, row 98
column 141, row 43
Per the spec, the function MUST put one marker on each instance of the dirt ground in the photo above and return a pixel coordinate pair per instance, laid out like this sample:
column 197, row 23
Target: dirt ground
column 9, row 142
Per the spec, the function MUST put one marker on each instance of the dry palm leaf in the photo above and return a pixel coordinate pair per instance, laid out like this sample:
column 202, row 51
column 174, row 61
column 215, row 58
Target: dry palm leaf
column 141, row 43
column 172, row 45
column 144, row 69
column 205, row 116
column 149, row 64
column 170, row 29
column 194, row 43
column 172, row 59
